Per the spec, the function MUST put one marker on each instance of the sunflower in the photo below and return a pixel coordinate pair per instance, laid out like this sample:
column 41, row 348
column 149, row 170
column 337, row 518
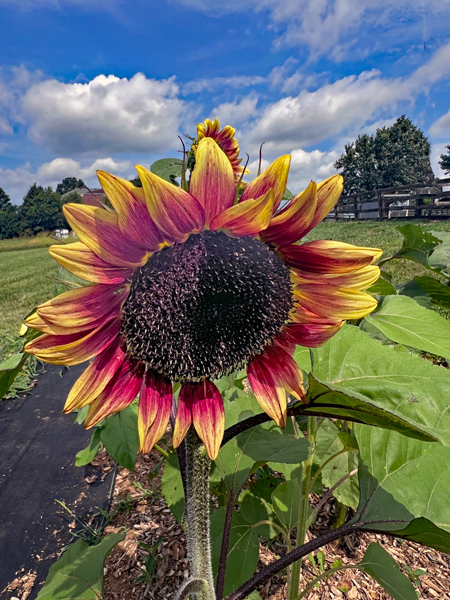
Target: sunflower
column 186, row 287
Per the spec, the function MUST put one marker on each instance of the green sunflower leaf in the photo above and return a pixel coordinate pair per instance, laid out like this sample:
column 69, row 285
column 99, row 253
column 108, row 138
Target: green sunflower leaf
column 404, row 487
column 243, row 549
column 78, row 574
column 358, row 377
column 120, row 437
column 418, row 245
column 172, row 486
column 380, row 565
column 439, row 292
column 167, row 168
column 404, row 321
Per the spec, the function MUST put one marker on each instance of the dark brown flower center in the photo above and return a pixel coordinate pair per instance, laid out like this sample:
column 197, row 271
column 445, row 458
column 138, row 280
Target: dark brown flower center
column 204, row 308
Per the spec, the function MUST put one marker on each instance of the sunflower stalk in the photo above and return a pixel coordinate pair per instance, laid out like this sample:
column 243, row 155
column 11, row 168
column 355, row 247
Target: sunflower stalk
column 198, row 465
column 302, row 523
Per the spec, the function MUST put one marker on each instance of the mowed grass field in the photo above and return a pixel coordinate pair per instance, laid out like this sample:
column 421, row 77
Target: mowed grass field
column 27, row 271
column 26, row 278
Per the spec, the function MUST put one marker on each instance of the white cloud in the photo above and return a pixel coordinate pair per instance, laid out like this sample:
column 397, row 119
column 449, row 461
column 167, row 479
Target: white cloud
column 315, row 165
column 441, row 126
column 17, row 181
column 236, row 112
column 107, row 114
column 436, row 151
column 311, row 117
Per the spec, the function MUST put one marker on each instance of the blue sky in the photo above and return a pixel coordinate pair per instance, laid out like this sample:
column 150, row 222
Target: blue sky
column 89, row 84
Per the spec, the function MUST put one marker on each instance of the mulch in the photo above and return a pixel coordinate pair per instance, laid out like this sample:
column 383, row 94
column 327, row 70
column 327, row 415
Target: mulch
column 149, row 520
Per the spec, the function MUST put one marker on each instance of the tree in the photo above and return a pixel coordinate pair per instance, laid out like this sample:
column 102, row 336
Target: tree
column 68, row 184
column 9, row 219
column 4, row 199
column 445, row 161
column 394, row 156
column 34, row 191
column 41, row 212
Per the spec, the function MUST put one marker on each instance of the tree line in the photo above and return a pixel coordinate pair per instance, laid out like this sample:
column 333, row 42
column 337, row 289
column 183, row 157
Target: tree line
column 393, row 156
column 40, row 211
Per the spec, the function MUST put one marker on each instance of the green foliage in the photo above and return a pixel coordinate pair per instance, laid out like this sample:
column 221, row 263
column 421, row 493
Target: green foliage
column 444, row 163
column 380, row 565
column 168, row 169
column 404, row 486
column 418, row 245
column 120, row 437
column 85, row 456
column 9, row 219
column 78, row 574
column 243, row 549
column 68, row 184
column 40, row 211
column 172, row 487
column 394, row 156
column 404, row 321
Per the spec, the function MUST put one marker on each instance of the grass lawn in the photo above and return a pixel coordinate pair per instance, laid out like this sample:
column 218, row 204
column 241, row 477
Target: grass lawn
column 26, row 267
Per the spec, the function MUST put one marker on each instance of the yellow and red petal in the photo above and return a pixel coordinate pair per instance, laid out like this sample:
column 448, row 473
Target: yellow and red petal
column 96, row 377
column 334, row 302
column 175, row 212
column 79, row 260
column 301, row 315
column 226, row 141
column 133, row 217
column 247, row 218
column 74, row 348
column 328, row 257
column 271, row 374
column 310, row 335
column 80, row 309
column 117, row 395
column 208, row 416
column 99, row 230
column 358, row 280
column 328, row 193
column 155, row 404
column 286, row 227
column 212, row 181
column 274, row 177
column 183, row 419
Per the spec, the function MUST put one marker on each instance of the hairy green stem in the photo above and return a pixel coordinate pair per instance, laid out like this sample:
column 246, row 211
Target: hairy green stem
column 302, row 527
column 197, row 515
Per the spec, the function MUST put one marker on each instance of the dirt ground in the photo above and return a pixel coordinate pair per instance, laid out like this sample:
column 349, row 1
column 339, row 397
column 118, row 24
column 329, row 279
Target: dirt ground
column 150, row 522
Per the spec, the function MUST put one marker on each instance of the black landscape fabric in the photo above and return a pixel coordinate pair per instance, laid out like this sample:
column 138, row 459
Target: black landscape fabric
column 38, row 445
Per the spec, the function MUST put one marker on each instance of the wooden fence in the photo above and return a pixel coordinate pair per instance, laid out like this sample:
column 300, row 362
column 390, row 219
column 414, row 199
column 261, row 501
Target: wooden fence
column 408, row 201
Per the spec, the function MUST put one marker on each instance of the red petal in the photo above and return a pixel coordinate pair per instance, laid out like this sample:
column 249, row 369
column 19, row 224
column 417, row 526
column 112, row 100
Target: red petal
column 82, row 262
column 272, row 374
column 176, row 213
column 310, row 335
column 183, row 419
column 212, row 181
column 246, row 218
column 117, row 395
column 286, row 227
column 274, row 177
column 99, row 230
column 74, row 348
column 96, row 377
column 328, row 257
column 133, row 216
column 155, row 404
column 208, row 416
